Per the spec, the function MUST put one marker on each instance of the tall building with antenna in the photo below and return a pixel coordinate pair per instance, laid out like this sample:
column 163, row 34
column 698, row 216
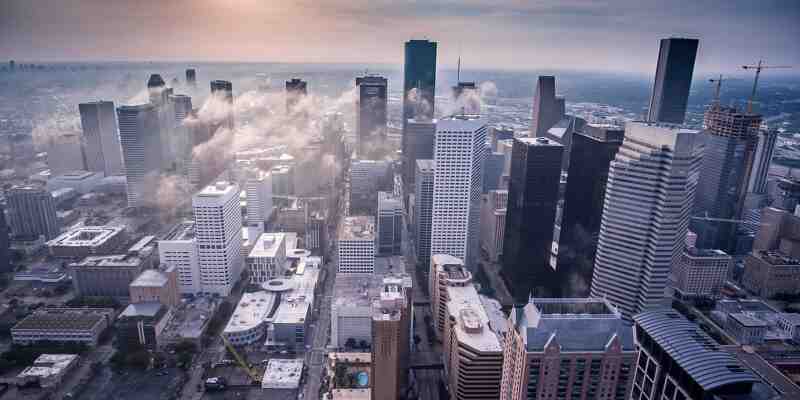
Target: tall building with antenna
column 673, row 80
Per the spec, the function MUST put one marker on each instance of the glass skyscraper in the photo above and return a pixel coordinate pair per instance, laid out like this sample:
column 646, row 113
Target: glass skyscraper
column 673, row 80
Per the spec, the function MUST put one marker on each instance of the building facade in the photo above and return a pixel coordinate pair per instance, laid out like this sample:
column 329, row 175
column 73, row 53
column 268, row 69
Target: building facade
column 547, row 108
column 445, row 271
column 259, row 198
column 371, row 112
column 673, row 80
column 356, row 245
column 418, row 141
column 32, row 212
column 218, row 225
column 423, row 210
column 367, row 177
column 139, row 136
column 493, row 223
column 267, row 259
column 179, row 250
column 771, row 272
column 107, row 276
column 701, row 272
column 390, row 224
column 101, row 146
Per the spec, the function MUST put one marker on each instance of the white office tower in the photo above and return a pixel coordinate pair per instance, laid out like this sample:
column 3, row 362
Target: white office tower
column 649, row 196
column 101, row 146
column 218, row 227
column 356, row 240
column 460, row 146
column 179, row 250
column 139, row 136
column 259, row 197
column 390, row 224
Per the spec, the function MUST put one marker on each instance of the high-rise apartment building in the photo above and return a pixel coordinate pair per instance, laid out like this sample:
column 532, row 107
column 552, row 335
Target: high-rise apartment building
column 678, row 360
column 445, row 271
column 673, row 80
column 423, row 210
column 418, row 140
column 575, row 348
column 391, row 325
column 547, row 108
column 371, row 112
column 178, row 250
column 356, row 241
column 730, row 140
column 259, row 197
column 140, row 139
column 32, row 212
column 296, row 89
column 390, row 224
column 493, row 223
column 650, row 190
column 101, row 146
column 593, row 149
column 459, row 152
column 218, row 225
column 530, row 215
column 701, row 273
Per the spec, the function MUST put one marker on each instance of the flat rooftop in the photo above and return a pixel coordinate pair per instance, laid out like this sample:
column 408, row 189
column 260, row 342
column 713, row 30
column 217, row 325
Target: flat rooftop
column 267, row 244
column 472, row 328
column 145, row 309
column 64, row 319
column 538, row 141
column 150, row 278
column 217, row 189
column 115, row 260
column 776, row 257
column 747, row 320
column 252, row 311
column 48, row 365
column 357, row 228
column 181, row 231
column 706, row 253
column 282, row 374
column 86, row 236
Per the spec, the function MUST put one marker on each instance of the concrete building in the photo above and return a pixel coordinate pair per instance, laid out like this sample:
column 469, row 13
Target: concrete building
column 356, row 241
column 179, row 250
column 390, row 224
column 282, row 180
column 282, row 374
column 259, row 198
column 778, row 230
column 673, row 80
column 139, row 135
column 367, row 177
column 107, row 276
column 82, row 181
column 101, row 146
column 32, row 212
column 140, row 325
column 493, row 223
column 730, row 138
column 391, row 316
column 677, row 359
column 547, row 108
column 267, row 260
column 48, row 370
column 646, row 210
column 771, row 272
column 455, row 219
column 87, row 241
column 423, row 210
column 418, row 140
column 746, row 329
column 65, row 153
column 493, row 165
column 218, row 224
column 472, row 349
column 762, row 160
column 445, row 271
column 74, row 325
column 371, row 112
column 577, row 348
column 154, row 285
column 533, row 194
column 701, row 273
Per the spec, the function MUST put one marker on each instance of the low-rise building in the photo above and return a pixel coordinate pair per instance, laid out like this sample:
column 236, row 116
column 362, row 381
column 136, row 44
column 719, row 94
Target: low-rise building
column 141, row 325
column 576, row 348
column 246, row 325
column 771, row 272
column 349, row 376
column 267, row 259
column 282, row 374
column 107, row 276
column 701, row 273
column 746, row 329
column 190, row 321
column 75, row 325
column 48, row 370
column 81, row 181
column 87, row 241
column 156, row 285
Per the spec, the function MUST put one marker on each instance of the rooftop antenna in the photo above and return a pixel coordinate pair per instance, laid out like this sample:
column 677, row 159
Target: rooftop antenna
column 758, row 67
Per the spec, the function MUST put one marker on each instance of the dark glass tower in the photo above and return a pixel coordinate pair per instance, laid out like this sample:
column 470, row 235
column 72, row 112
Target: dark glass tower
column 730, row 139
column 673, row 80
column 419, row 72
column 371, row 108
column 592, row 152
column 191, row 77
column 547, row 108
column 296, row 89
column 530, row 215
column 5, row 254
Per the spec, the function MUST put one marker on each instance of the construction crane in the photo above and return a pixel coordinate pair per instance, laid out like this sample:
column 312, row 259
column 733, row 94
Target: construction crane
column 241, row 361
column 758, row 67
column 718, row 85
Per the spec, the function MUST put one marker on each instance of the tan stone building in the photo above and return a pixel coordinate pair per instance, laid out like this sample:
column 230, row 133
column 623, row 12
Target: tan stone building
column 156, row 285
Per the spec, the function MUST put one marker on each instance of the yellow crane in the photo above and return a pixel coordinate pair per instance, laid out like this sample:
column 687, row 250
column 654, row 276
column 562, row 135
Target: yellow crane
column 758, row 67
column 241, row 361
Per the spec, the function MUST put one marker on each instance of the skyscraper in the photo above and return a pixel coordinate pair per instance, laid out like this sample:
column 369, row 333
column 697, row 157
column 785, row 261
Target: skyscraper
column 673, row 80
column 191, row 77
column 259, row 197
column 141, row 148
column 296, row 89
column 371, row 109
column 547, row 108
column 32, row 212
column 181, row 141
column 592, row 153
column 391, row 316
column 418, row 141
column 459, row 152
column 493, row 223
column 101, row 146
column 730, row 140
column 649, row 195
column 390, row 224
column 423, row 210
column 223, row 91
column 218, row 225
column 466, row 98
column 5, row 233
column 530, row 215
column 367, row 177
column 419, row 72
column 65, row 153
column 762, row 160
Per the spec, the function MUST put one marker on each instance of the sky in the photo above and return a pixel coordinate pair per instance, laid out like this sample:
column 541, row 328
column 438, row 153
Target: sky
column 604, row 35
